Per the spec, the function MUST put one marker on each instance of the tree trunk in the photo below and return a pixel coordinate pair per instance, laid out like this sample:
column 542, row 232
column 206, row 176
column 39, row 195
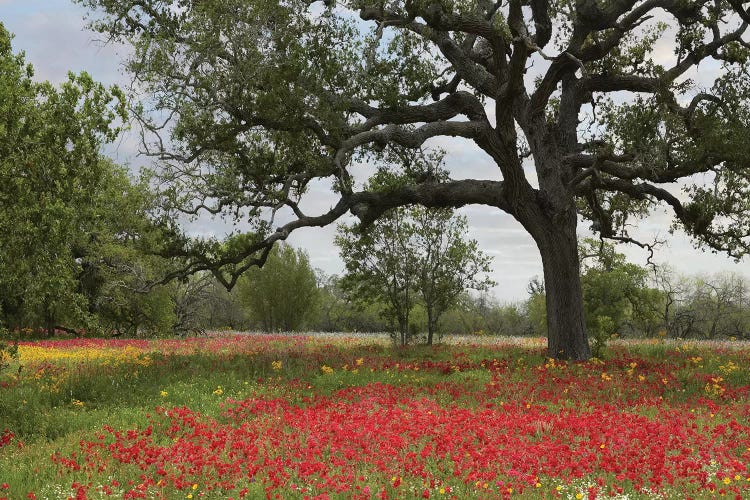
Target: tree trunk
column 430, row 324
column 403, row 327
column 566, row 325
column 49, row 320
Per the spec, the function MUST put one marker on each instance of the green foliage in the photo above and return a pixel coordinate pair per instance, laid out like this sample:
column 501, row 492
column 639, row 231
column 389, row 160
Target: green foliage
column 481, row 315
column 617, row 296
column 632, row 54
column 335, row 312
column 381, row 267
column 52, row 182
column 124, row 310
column 599, row 327
column 118, row 265
column 412, row 256
column 713, row 307
column 612, row 290
column 536, row 310
column 665, row 144
column 282, row 294
column 447, row 264
column 8, row 349
column 219, row 308
column 286, row 73
column 76, row 227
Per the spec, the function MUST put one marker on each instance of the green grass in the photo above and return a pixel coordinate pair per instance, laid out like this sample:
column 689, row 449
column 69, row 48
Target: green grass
column 52, row 410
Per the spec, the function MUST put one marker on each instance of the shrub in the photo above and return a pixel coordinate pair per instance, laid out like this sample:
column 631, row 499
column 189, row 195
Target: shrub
column 8, row 349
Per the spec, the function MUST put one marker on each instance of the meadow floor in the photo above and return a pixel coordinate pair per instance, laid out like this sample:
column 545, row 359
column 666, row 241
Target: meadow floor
column 279, row 416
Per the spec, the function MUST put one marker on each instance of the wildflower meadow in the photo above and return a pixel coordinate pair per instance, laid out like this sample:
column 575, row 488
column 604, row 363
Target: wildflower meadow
column 282, row 416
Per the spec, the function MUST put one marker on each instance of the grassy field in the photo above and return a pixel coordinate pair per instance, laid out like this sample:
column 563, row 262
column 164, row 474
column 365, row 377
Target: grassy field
column 258, row 416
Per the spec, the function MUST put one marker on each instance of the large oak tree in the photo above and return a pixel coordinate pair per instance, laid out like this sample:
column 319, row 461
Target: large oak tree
column 262, row 98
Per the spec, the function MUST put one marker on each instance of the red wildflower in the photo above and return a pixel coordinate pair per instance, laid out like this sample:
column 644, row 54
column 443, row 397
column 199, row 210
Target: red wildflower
column 6, row 437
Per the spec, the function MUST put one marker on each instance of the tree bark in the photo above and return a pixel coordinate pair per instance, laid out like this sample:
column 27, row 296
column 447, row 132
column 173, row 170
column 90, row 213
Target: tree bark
column 403, row 326
column 566, row 324
column 430, row 324
column 49, row 321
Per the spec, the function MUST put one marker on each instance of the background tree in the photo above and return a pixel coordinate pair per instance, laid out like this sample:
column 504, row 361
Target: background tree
column 125, row 311
column 381, row 267
column 699, row 306
column 335, row 311
column 447, row 264
column 221, row 309
column 332, row 304
column 536, row 306
column 51, row 176
column 481, row 314
column 670, row 307
column 118, row 262
column 189, row 297
column 292, row 92
column 412, row 253
column 282, row 293
column 612, row 290
column 716, row 307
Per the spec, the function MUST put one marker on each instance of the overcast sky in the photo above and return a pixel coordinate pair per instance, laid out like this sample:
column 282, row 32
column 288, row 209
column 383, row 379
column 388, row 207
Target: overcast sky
column 52, row 33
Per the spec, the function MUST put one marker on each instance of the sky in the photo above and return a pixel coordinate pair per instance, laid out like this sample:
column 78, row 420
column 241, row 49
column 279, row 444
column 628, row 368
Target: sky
column 53, row 35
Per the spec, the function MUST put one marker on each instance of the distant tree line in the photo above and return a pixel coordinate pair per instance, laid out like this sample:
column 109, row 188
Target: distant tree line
column 625, row 299
column 622, row 300
column 288, row 294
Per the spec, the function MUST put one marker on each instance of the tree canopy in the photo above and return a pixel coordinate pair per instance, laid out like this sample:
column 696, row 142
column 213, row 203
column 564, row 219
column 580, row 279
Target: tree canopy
column 280, row 295
column 56, row 192
column 265, row 98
